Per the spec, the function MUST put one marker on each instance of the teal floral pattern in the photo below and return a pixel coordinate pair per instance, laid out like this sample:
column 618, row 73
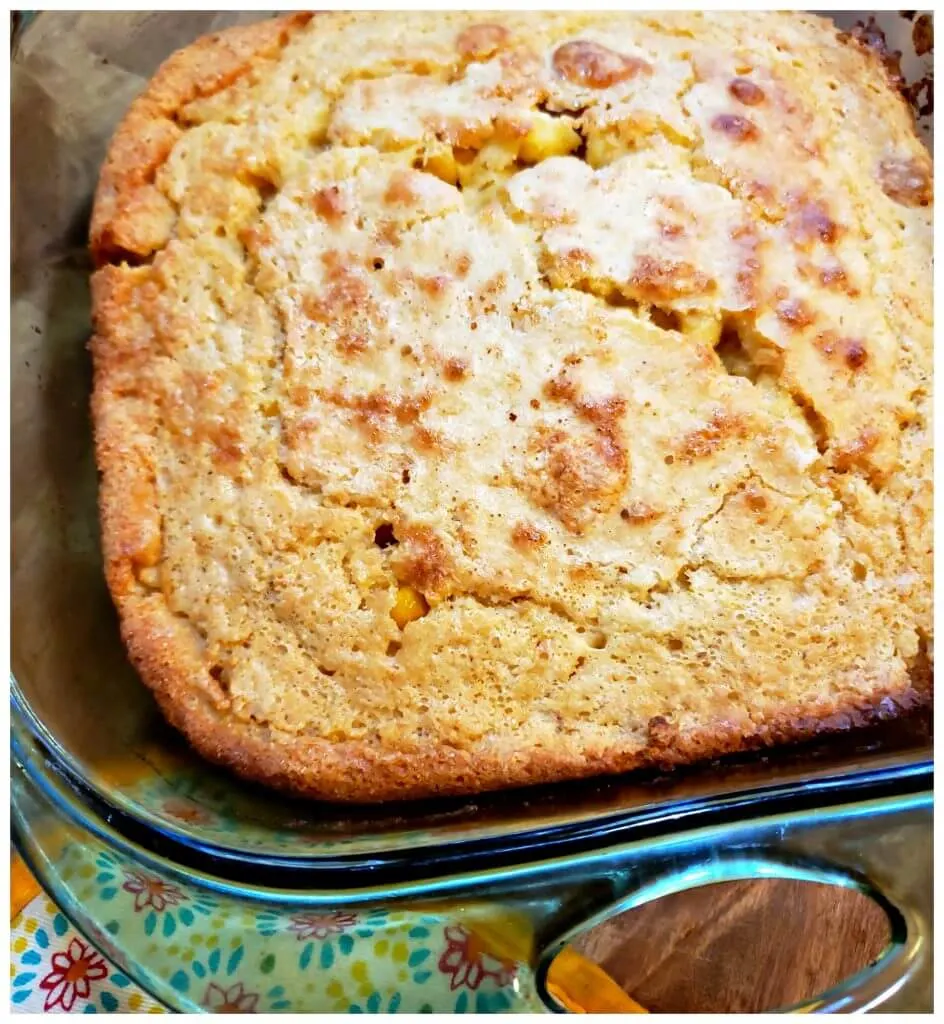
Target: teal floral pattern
column 55, row 970
column 150, row 891
column 164, row 906
column 234, row 999
column 332, row 935
column 197, row 950
column 217, row 977
column 320, row 926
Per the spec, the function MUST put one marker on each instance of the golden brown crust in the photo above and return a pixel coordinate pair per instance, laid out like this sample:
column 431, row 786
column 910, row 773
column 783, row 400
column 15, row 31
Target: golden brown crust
column 364, row 773
column 131, row 218
column 586, row 673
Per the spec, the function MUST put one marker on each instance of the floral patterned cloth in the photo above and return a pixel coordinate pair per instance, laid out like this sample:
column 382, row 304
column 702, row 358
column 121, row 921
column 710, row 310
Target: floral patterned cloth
column 472, row 966
column 54, row 970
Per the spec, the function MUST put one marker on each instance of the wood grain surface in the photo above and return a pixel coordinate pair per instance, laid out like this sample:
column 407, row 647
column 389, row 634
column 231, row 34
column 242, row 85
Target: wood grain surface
column 739, row 946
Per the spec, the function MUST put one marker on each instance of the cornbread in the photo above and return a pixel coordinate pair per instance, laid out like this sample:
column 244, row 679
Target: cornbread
column 488, row 399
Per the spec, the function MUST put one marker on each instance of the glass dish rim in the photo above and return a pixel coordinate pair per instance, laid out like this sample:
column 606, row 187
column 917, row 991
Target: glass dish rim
column 888, row 774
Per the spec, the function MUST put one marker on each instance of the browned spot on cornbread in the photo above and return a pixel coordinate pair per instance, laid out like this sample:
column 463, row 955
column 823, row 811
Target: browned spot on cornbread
column 480, row 41
column 749, row 266
column 906, row 180
column 755, row 499
column 347, row 295
column 855, row 353
column 795, row 313
column 329, row 204
column 561, row 387
column 809, row 221
column 850, row 351
column 639, row 512
column 737, row 127
column 455, row 369
column 400, row 191
column 720, row 429
column 527, row 535
column 430, row 441
column 491, row 290
column 855, row 453
column 658, row 280
column 834, row 276
column 604, row 413
column 572, row 265
column 228, row 446
column 588, row 63
column 577, row 475
column 434, row 285
column 421, row 558
column 345, row 307
column 745, row 91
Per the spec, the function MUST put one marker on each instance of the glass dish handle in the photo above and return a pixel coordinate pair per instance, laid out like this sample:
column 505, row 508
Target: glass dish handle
column 881, row 848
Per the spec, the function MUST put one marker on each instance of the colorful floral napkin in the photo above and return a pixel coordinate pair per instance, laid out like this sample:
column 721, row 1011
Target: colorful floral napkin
column 55, row 970
column 52, row 968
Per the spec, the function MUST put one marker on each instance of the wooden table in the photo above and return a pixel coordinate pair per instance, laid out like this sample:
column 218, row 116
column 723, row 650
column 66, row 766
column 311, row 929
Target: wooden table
column 739, row 946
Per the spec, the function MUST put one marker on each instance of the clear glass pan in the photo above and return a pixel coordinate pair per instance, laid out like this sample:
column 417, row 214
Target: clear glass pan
column 74, row 688
column 90, row 746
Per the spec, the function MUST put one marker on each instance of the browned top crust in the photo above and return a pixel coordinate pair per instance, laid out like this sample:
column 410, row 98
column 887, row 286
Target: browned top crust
column 488, row 399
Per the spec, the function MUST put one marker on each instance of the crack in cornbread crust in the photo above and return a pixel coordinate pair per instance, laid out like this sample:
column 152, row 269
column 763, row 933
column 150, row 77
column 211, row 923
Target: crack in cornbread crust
column 600, row 664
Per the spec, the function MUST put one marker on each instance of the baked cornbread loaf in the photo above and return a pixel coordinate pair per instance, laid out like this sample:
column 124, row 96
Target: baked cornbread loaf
column 489, row 399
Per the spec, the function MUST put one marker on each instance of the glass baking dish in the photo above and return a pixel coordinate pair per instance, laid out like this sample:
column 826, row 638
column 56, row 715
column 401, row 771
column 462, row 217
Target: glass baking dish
column 105, row 796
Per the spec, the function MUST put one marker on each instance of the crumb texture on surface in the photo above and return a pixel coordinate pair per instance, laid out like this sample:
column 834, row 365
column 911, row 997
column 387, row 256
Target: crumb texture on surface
column 483, row 399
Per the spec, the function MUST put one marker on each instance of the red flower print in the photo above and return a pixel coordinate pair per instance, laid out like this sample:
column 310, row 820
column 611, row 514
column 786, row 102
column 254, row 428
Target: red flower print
column 320, row 926
column 187, row 811
column 234, row 999
column 469, row 962
column 72, row 970
column 151, row 892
